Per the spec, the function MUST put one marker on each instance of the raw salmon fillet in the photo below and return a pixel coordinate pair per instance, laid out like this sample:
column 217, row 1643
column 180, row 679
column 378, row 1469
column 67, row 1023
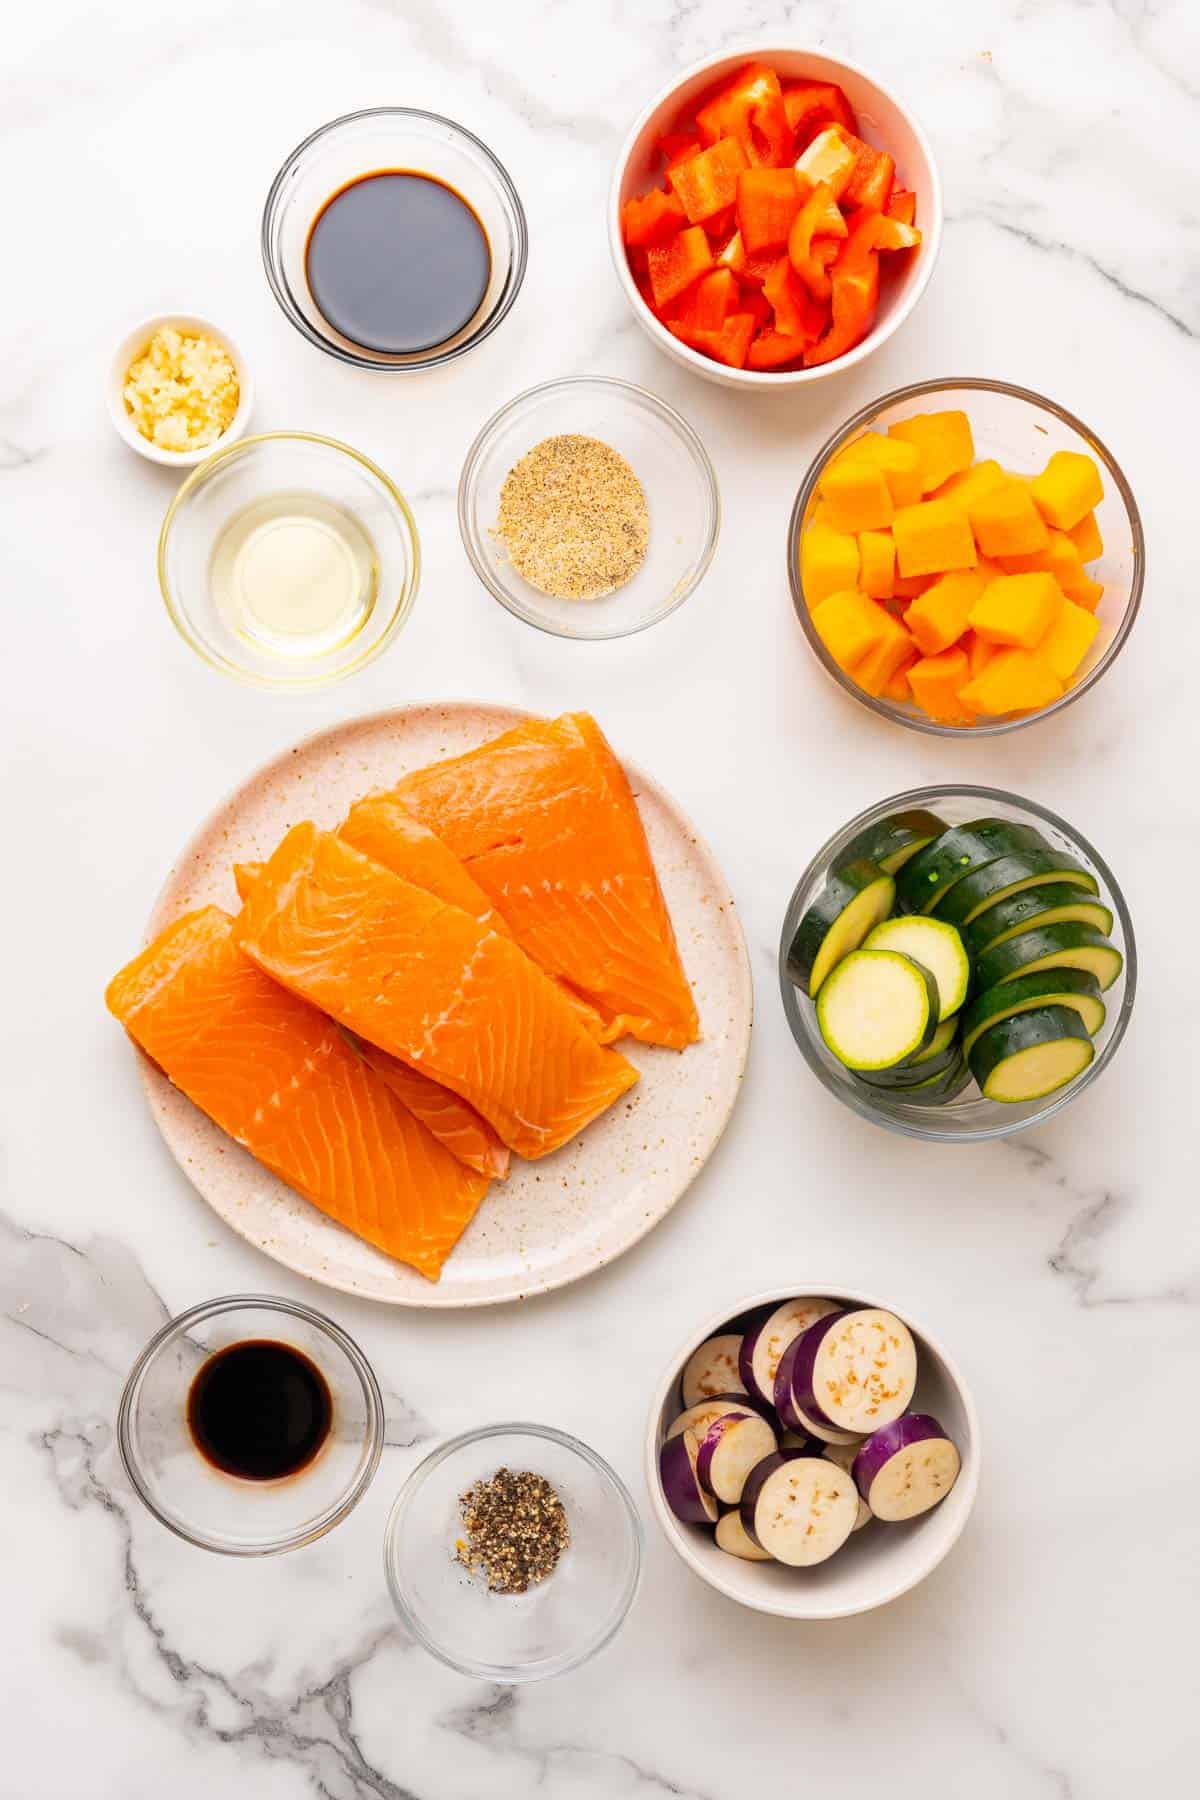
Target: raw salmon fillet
column 280, row 1078
column 545, row 822
column 463, row 1131
column 426, row 982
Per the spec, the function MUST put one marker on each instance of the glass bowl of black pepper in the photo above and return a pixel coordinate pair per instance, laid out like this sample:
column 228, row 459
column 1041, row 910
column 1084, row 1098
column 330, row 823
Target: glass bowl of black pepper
column 589, row 507
column 513, row 1553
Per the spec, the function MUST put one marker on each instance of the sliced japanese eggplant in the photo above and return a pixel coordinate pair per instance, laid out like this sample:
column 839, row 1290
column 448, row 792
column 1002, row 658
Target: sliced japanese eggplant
column 712, row 1369
column 1009, row 875
column 1031, row 1054
column 1054, row 903
column 800, row 1509
column 855, row 1370
column 729, row 1449
column 877, row 1009
column 731, row 1536
column 853, row 901
column 933, row 872
column 768, row 1334
column 844, row 1456
column 905, row 1468
column 1065, row 946
column 1025, row 993
column 938, row 947
column 892, row 841
column 698, row 1418
column 682, row 1491
column 940, row 1054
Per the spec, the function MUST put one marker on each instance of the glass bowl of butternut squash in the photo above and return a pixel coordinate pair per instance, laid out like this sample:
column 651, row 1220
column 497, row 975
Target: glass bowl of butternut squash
column 965, row 555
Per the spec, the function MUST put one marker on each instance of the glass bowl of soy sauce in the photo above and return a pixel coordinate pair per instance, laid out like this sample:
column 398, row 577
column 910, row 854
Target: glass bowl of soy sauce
column 393, row 239
column 251, row 1425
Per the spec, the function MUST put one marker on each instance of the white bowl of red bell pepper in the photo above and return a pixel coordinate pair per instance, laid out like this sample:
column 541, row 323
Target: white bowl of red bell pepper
column 774, row 216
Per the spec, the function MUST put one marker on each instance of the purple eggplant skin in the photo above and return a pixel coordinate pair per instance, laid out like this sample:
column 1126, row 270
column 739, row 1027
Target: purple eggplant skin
column 750, row 1402
column 754, row 1486
column 888, row 1441
column 750, row 1337
column 708, row 1445
column 680, row 1485
column 788, row 1381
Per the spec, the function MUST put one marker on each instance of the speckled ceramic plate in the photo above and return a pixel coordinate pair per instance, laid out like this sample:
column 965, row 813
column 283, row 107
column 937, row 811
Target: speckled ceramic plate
column 551, row 1221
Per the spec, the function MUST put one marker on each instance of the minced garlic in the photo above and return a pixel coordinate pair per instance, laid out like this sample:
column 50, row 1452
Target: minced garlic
column 182, row 390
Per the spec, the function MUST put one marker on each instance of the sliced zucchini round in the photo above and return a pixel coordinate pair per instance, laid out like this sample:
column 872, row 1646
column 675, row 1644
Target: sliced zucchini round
column 877, row 1009
column 890, row 842
column 938, row 947
column 1075, row 988
column 1031, row 1054
column 940, row 1054
column 853, row 901
column 931, row 874
column 1056, row 903
column 1010, row 875
column 939, row 1088
column 1063, row 946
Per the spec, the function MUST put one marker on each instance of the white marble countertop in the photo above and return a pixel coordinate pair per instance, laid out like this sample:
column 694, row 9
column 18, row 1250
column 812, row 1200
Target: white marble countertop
column 1053, row 1654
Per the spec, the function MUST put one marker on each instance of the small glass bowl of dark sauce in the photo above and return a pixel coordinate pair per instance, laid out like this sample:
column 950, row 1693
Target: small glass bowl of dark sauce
column 251, row 1425
column 394, row 239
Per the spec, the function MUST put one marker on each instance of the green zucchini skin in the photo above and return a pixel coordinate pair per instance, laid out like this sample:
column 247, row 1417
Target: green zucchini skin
column 811, row 957
column 1042, row 1029
column 940, row 1054
column 930, row 875
column 1064, row 946
column 1054, row 903
column 891, row 842
column 1024, row 993
column 939, row 1088
column 1009, row 876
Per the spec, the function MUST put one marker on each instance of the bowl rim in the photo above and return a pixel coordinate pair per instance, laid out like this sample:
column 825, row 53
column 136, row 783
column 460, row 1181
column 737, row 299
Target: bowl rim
column 308, row 683
column 848, row 1093
column 497, row 1672
column 678, row 1538
column 326, row 1327
column 863, row 417
column 436, row 357
column 131, row 344
column 766, row 380
column 642, row 396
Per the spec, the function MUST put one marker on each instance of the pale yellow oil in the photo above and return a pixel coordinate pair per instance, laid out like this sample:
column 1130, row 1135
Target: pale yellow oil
column 294, row 575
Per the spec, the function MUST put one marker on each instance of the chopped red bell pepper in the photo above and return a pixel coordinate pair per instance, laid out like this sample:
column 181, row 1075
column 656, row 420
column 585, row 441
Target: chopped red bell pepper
column 651, row 218
column 752, row 301
column 750, row 109
column 730, row 344
column 874, row 173
column 732, row 254
column 722, row 225
column 811, row 105
column 674, row 266
column 894, row 234
column 674, row 146
column 797, row 313
column 820, row 213
column 855, row 281
column 710, row 302
column 767, row 202
column 755, row 269
column 774, row 350
column 902, row 206
column 707, row 183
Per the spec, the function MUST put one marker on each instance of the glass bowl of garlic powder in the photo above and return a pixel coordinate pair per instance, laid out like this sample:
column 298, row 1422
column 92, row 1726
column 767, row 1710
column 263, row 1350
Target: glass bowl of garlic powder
column 178, row 389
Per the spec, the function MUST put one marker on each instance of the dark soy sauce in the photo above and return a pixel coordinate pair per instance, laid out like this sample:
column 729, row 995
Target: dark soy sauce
column 259, row 1410
column 398, row 261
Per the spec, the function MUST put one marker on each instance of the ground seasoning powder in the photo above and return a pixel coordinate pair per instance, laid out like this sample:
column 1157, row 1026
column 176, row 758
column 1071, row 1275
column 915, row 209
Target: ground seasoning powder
column 515, row 1530
column 573, row 518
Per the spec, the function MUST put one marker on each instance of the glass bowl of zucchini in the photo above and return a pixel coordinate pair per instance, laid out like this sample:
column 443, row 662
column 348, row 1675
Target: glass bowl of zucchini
column 957, row 963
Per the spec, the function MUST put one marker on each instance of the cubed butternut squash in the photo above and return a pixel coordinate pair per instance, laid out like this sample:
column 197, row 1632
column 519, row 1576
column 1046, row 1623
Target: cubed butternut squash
column 970, row 484
column 1088, row 593
column 894, row 650
column 1068, row 488
column 1006, row 522
column 850, row 625
column 907, row 587
column 935, row 682
column 900, row 463
column 898, row 688
column 857, row 495
column 931, row 537
column 1086, row 538
column 979, row 652
column 1057, row 556
column 877, row 564
column 1014, row 681
column 1017, row 609
column 944, row 441
column 938, row 617
column 828, row 563
column 1068, row 641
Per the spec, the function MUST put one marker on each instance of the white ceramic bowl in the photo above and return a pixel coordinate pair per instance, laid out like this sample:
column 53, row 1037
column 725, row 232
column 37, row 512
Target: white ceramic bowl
column 131, row 346
column 883, row 121
column 878, row 1563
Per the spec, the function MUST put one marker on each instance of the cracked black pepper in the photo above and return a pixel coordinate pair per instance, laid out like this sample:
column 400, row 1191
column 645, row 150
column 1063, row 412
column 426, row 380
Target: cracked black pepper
column 573, row 518
column 515, row 1530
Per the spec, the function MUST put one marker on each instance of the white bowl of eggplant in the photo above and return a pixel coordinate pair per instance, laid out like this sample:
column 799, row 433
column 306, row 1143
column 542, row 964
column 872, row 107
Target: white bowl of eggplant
column 812, row 1453
column 957, row 963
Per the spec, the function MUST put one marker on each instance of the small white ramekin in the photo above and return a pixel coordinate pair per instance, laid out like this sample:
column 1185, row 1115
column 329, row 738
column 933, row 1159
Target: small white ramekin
column 884, row 122
column 131, row 346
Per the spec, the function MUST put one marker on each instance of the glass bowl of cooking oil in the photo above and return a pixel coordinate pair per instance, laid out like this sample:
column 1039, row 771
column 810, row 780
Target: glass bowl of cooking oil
column 288, row 560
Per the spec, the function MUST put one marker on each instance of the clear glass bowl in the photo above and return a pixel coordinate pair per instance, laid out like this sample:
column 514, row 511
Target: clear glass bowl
column 221, row 1512
column 285, row 462
column 969, row 1118
column 664, row 453
column 558, row 1624
column 1020, row 429
column 390, row 137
